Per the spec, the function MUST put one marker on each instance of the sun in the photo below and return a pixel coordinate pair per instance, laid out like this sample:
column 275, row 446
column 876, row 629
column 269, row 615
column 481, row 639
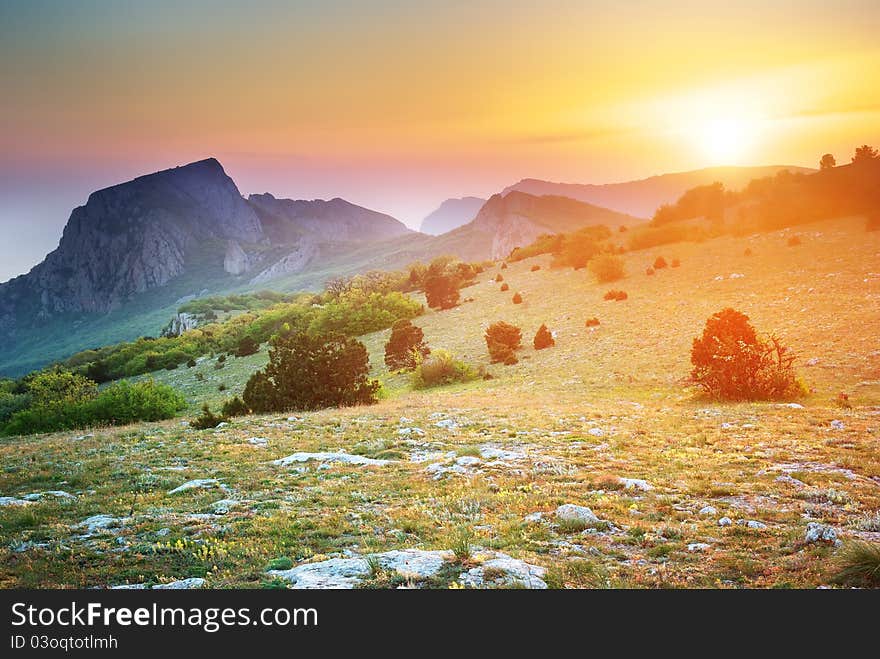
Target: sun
column 726, row 140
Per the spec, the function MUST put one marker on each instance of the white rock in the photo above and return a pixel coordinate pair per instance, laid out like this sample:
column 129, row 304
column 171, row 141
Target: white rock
column 736, row 275
column 491, row 453
column 449, row 424
column 636, row 484
column 345, row 458
column 198, row 483
column 467, row 461
column 515, row 573
column 698, row 546
column 837, row 424
column 570, row 512
column 725, row 521
column 708, row 510
column 258, row 441
column 534, row 517
column 12, row 501
column 596, row 432
column 794, row 406
column 754, row 524
column 181, row 584
column 58, row 494
column 819, row 532
column 97, row 523
column 408, row 431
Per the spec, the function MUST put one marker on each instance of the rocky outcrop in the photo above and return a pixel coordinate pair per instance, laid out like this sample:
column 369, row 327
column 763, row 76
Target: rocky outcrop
column 236, row 261
column 451, row 214
column 294, row 262
column 182, row 322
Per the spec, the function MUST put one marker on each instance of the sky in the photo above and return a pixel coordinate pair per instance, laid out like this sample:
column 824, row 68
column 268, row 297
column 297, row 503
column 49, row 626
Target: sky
column 399, row 105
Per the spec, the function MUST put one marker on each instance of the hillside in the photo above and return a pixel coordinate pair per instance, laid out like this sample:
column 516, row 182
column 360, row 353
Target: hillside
column 450, row 215
column 517, row 219
column 642, row 197
column 688, row 492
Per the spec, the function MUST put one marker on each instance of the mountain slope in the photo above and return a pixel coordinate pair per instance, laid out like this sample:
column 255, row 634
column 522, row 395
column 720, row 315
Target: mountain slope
column 517, row 219
column 451, row 214
column 642, row 197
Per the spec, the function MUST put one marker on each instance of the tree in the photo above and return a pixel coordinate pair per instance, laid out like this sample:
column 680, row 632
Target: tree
column 58, row 386
column 543, row 338
column 732, row 362
column 502, row 340
column 827, row 162
column 312, row 371
column 441, row 290
column 865, row 153
column 406, row 346
column 246, row 346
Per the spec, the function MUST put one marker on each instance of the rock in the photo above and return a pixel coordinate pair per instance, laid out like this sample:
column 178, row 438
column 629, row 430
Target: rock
column 449, row 424
column 467, row 461
column 198, row 483
column 180, row 323
column 181, row 584
column 236, row 262
column 837, row 424
column 812, row 361
column 505, row 571
column 790, row 480
column 258, row 441
column 58, row 494
column 819, row 533
column 97, row 523
column 406, row 432
column 754, row 524
column 698, row 546
column 533, row 518
column 335, row 573
column 708, row 510
column 596, row 432
column 636, row 484
column 794, row 406
column 295, row 261
column 736, row 275
column 223, row 506
column 725, row 521
column 345, row 458
column 12, row 501
column 570, row 512
column 491, row 453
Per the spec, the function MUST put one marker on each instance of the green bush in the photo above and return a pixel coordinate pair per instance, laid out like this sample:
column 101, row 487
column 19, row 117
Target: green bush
column 207, row 419
column 247, row 345
column 441, row 368
column 312, row 371
column 234, row 407
column 118, row 404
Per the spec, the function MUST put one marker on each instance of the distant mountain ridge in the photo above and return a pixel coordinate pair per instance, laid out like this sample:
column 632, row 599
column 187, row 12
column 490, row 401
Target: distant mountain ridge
column 642, row 197
column 451, row 214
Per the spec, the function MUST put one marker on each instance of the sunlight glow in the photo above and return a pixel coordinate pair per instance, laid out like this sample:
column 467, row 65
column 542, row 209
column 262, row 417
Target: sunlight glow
column 727, row 140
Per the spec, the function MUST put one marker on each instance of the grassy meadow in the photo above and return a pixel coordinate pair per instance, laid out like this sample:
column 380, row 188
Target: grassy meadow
column 688, row 492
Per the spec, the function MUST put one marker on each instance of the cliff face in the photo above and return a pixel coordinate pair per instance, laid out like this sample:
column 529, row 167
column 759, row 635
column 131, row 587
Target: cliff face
column 130, row 238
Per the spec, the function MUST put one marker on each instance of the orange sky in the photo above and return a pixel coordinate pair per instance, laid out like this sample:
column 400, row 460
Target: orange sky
column 398, row 105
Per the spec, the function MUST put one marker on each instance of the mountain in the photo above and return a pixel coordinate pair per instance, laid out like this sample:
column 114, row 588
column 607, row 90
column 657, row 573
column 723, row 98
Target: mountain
column 289, row 220
column 451, row 214
column 642, row 197
column 137, row 247
column 516, row 219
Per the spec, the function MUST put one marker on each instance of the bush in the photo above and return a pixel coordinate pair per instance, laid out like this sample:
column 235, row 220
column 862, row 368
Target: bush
column 502, row 340
column 207, row 419
column 441, row 291
column 659, row 263
column 406, row 346
column 731, row 362
column 118, row 404
column 190, row 363
column 607, row 268
column 543, row 338
column 649, row 271
column 234, row 407
column 441, row 368
column 535, row 268
column 748, row 252
column 504, row 265
column 675, row 263
column 499, row 278
column 246, row 346
column 504, row 288
column 617, row 296
column 859, row 565
column 308, row 371
column 794, row 241
column 592, row 322
column 517, row 298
